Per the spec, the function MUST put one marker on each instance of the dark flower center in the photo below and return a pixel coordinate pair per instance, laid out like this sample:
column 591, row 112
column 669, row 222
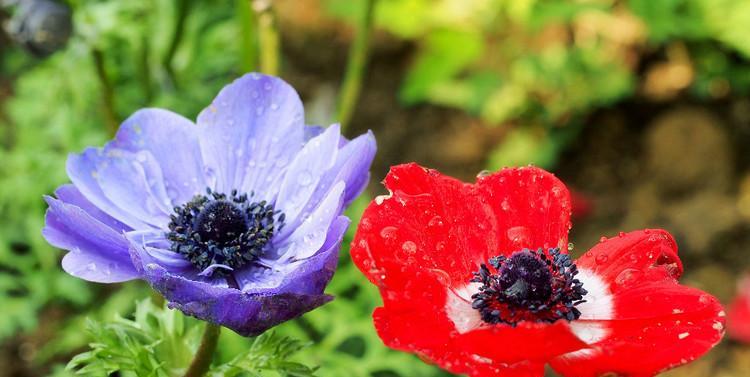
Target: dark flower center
column 219, row 229
column 538, row 286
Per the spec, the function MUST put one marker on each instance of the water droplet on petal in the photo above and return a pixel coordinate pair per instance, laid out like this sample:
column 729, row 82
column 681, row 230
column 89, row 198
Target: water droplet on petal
column 389, row 233
column 409, row 247
column 435, row 222
column 602, row 258
column 627, row 276
column 504, row 205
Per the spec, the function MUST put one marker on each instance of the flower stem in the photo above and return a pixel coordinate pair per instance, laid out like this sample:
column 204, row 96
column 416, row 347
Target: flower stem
column 108, row 99
column 204, row 355
column 248, row 30
column 268, row 36
column 183, row 9
column 356, row 65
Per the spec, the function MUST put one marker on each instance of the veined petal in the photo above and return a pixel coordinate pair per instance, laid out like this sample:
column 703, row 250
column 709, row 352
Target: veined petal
column 71, row 195
column 304, row 173
column 654, row 323
column 531, row 209
column 83, row 170
column 310, row 235
column 350, row 167
column 245, row 313
column 96, row 252
column 250, row 133
column 173, row 142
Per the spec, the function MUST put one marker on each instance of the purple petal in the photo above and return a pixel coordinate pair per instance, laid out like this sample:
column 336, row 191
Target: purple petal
column 250, row 133
column 97, row 252
column 82, row 170
column 310, row 235
column 133, row 181
column 173, row 142
column 152, row 247
column 352, row 167
column 247, row 314
column 308, row 277
column 303, row 175
column 70, row 195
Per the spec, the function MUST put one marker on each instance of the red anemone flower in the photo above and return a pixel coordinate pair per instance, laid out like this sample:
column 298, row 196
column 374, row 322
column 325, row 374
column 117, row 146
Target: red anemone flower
column 738, row 324
column 476, row 278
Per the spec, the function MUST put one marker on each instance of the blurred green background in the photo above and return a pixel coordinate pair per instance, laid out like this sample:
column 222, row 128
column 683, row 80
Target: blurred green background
column 641, row 106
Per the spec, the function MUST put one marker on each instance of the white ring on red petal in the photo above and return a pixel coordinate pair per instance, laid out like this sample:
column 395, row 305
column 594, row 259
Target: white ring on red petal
column 598, row 306
column 591, row 326
column 458, row 307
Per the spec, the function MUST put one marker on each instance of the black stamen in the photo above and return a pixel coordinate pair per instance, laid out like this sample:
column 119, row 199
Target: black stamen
column 219, row 229
column 529, row 285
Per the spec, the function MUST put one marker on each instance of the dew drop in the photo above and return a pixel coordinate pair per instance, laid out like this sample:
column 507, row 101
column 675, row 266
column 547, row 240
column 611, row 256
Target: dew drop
column 309, row 238
column 389, row 233
column 504, row 205
column 627, row 276
column 365, row 224
column 483, row 173
column 435, row 222
column 409, row 247
column 601, row 258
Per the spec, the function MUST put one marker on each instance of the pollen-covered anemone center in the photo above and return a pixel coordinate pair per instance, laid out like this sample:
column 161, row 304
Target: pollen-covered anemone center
column 216, row 229
column 537, row 286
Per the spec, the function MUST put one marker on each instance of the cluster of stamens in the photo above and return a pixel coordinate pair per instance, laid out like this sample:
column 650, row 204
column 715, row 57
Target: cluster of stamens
column 216, row 229
column 537, row 286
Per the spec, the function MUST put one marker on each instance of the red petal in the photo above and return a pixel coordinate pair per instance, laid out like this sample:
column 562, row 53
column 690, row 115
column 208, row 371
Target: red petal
column 738, row 322
column 431, row 234
column 655, row 323
column 531, row 209
column 430, row 221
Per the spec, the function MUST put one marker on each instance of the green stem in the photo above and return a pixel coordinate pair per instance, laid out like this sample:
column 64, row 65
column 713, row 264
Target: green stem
column 204, row 355
column 183, row 9
column 356, row 66
column 108, row 97
column 268, row 36
column 248, row 30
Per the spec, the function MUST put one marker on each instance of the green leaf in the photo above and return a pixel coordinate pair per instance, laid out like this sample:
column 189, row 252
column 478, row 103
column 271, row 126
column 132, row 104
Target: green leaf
column 157, row 342
column 268, row 353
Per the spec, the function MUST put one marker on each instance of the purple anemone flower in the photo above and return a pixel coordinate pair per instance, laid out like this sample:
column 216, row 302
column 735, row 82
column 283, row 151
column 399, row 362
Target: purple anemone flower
column 236, row 219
